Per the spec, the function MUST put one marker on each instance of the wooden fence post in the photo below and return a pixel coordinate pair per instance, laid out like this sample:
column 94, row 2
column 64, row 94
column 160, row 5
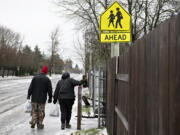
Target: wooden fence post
column 79, row 112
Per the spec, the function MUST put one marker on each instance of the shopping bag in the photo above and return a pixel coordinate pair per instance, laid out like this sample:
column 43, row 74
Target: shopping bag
column 54, row 112
column 28, row 106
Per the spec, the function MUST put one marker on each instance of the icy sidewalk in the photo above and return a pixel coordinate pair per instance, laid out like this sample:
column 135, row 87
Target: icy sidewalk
column 52, row 125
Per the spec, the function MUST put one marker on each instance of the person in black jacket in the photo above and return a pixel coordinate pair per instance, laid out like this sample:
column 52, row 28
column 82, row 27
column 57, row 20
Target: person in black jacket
column 39, row 88
column 64, row 92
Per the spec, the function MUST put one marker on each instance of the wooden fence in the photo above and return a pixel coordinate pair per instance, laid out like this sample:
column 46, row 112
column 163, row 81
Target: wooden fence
column 143, row 85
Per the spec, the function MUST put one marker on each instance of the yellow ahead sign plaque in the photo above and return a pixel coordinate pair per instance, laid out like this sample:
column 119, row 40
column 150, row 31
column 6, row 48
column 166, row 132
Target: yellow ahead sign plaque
column 115, row 37
column 115, row 24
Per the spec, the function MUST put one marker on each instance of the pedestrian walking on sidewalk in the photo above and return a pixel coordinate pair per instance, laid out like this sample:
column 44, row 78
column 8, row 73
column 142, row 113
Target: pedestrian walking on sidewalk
column 64, row 93
column 39, row 88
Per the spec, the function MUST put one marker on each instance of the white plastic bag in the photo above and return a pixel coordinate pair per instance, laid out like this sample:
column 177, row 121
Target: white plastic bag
column 54, row 111
column 28, row 106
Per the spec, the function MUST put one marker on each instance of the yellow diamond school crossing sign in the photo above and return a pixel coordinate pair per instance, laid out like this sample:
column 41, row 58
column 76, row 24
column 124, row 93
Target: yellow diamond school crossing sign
column 115, row 24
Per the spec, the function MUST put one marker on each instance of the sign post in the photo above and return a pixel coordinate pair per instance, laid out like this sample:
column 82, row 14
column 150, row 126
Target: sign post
column 79, row 112
column 114, row 49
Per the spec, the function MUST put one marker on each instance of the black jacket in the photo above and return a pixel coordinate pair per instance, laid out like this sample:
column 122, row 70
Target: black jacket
column 39, row 88
column 65, row 87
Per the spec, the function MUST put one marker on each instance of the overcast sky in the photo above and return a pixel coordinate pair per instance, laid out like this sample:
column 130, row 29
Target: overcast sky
column 34, row 20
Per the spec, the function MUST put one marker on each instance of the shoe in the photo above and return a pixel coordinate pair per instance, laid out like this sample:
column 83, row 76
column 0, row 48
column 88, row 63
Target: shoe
column 63, row 126
column 32, row 125
column 68, row 125
column 40, row 126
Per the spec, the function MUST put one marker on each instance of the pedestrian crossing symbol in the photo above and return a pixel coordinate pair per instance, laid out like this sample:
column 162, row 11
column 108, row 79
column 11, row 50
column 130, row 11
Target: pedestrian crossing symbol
column 115, row 21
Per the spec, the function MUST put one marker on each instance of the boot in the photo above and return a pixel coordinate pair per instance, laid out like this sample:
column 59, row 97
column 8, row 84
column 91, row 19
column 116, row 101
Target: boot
column 40, row 126
column 68, row 125
column 62, row 126
column 32, row 125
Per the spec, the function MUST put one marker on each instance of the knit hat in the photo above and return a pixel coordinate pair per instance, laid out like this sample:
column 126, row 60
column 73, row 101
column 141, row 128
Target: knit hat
column 44, row 70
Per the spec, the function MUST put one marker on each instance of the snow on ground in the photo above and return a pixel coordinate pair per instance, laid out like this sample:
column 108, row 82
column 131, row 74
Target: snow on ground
column 14, row 78
column 13, row 119
column 23, row 78
column 5, row 78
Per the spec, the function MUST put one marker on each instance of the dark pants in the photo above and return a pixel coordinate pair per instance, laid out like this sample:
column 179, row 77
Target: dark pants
column 66, row 109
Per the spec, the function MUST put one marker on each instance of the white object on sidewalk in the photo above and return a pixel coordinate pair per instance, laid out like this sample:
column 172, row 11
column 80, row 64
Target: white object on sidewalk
column 54, row 111
column 28, row 106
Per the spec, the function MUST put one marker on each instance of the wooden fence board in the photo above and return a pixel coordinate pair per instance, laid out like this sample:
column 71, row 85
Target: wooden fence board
column 163, row 79
column 173, row 129
column 177, row 91
column 148, row 84
column 132, row 92
column 174, row 73
column 141, row 55
column 155, row 81
column 136, row 88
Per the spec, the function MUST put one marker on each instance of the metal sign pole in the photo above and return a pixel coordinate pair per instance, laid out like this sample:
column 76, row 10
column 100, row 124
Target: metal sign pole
column 90, row 74
column 79, row 113
column 99, row 86
column 93, row 89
